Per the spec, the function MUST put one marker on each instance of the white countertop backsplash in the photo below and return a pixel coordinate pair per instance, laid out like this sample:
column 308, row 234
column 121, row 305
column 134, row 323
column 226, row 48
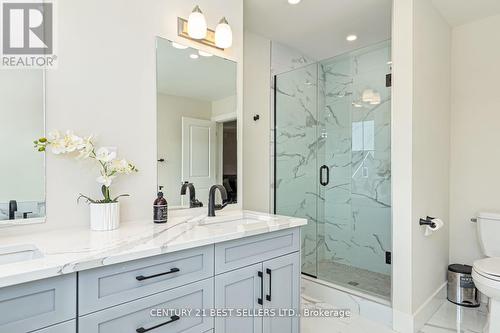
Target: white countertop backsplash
column 74, row 249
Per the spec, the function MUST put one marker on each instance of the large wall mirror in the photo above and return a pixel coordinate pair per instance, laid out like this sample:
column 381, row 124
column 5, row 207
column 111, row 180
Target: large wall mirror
column 196, row 124
column 22, row 169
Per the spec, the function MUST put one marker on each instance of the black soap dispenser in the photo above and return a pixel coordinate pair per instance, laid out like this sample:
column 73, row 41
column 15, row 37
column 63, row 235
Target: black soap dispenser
column 160, row 209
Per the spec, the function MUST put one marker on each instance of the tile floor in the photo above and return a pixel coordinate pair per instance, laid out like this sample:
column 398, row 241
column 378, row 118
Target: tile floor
column 449, row 318
column 373, row 283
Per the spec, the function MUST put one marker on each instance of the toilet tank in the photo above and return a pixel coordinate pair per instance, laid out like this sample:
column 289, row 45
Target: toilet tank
column 488, row 225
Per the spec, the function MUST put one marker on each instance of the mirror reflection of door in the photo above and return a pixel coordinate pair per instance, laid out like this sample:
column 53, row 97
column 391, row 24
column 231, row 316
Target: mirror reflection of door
column 196, row 123
column 199, row 148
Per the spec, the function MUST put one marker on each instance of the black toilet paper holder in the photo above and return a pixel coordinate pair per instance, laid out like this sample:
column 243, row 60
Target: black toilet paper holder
column 428, row 221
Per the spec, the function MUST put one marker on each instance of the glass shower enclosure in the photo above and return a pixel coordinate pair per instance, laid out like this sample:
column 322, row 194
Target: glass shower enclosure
column 332, row 164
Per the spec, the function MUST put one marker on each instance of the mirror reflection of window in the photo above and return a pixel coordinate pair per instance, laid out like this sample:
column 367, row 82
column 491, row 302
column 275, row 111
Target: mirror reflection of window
column 196, row 122
column 22, row 173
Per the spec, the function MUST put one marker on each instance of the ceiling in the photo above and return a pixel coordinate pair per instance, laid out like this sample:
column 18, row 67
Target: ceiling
column 205, row 78
column 318, row 28
column 459, row 12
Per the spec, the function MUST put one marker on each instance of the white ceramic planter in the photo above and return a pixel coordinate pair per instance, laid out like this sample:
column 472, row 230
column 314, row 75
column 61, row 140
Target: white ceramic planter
column 105, row 217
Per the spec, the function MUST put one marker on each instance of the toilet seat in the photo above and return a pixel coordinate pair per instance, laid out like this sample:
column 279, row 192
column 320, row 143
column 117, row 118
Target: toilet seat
column 488, row 268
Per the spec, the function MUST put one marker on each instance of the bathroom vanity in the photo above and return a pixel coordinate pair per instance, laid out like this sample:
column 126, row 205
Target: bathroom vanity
column 130, row 280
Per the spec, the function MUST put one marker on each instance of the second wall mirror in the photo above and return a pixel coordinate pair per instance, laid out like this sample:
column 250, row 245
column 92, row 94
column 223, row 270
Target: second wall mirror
column 196, row 124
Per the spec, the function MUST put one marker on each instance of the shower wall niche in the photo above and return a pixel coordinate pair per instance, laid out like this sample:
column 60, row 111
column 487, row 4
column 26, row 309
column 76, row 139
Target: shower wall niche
column 333, row 165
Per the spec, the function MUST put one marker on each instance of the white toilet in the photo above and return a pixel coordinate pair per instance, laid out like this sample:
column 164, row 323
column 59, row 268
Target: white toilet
column 486, row 272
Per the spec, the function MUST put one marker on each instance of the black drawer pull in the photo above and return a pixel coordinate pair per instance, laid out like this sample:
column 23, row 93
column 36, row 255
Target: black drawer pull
column 172, row 319
column 261, row 276
column 268, row 297
column 142, row 277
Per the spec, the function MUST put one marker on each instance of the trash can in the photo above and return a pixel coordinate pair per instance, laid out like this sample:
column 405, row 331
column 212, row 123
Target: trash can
column 461, row 288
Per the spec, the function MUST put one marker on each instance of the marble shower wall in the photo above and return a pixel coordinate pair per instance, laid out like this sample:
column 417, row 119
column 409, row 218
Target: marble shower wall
column 357, row 211
column 296, row 158
column 322, row 119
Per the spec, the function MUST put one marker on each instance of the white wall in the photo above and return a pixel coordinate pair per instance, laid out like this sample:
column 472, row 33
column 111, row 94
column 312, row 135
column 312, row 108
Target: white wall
column 224, row 108
column 256, row 134
column 105, row 84
column 171, row 109
column 431, row 148
column 401, row 164
column 22, row 169
column 420, row 158
column 475, row 134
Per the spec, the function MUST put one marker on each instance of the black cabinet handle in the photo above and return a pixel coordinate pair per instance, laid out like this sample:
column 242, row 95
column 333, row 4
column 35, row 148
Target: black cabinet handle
column 268, row 297
column 261, row 276
column 142, row 277
column 321, row 169
column 172, row 319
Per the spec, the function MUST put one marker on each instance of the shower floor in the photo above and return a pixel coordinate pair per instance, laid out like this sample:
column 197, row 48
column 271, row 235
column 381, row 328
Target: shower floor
column 363, row 280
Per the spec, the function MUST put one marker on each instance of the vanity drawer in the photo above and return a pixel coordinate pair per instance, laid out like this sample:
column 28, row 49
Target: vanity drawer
column 247, row 251
column 116, row 284
column 132, row 316
column 67, row 327
column 33, row 305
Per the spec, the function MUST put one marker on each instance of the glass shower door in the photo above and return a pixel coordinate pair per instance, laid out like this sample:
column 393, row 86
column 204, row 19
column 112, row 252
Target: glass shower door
column 355, row 124
column 296, row 163
column 333, row 166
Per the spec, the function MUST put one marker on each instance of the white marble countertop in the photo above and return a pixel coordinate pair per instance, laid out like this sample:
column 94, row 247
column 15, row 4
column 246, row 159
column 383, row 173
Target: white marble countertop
column 74, row 249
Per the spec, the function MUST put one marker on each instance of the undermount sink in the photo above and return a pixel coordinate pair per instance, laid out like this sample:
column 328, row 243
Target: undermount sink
column 245, row 218
column 17, row 253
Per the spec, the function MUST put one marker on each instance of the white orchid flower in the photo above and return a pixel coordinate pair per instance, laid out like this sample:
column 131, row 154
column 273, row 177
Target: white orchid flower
column 53, row 136
column 58, row 147
column 103, row 154
column 86, row 148
column 105, row 180
column 72, row 142
column 120, row 166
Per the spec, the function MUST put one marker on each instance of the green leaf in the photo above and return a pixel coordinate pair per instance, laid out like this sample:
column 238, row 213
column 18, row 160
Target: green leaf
column 87, row 199
column 120, row 196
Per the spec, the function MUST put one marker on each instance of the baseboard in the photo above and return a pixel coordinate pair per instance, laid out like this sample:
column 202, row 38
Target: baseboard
column 406, row 323
column 429, row 308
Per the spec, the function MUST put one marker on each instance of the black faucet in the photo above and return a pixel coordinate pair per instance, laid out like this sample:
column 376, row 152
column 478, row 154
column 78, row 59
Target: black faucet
column 193, row 202
column 12, row 209
column 212, row 207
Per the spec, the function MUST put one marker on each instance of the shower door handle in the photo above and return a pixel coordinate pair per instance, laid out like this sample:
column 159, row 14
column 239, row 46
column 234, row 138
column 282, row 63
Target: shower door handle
column 321, row 170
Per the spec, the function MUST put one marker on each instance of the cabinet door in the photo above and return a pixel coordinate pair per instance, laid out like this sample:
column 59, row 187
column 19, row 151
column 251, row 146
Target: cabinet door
column 239, row 290
column 282, row 292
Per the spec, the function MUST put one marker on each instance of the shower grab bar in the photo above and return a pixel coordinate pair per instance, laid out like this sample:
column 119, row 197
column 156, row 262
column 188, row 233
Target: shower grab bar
column 321, row 169
column 428, row 221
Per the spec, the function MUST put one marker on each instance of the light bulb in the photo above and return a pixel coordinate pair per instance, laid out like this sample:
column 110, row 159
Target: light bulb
column 367, row 96
column 193, row 56
column 197, row 24
column 351, row 38
column 223, row 34
column 293, row 2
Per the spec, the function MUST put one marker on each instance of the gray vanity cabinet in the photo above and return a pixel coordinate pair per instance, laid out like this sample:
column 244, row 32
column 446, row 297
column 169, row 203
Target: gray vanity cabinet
column 144, row 315
column 270, row 286
column 282, row 285
column 239, row 289
column 35, row 305
column 256, row 273
column 67, row 327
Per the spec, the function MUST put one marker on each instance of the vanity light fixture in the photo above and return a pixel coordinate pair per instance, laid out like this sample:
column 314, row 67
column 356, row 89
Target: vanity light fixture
column 194, row 56
column 294, row 2
column 204, row 54
column 179, row 46
column 351, row 38
column 223, row 34
column 197, row 24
